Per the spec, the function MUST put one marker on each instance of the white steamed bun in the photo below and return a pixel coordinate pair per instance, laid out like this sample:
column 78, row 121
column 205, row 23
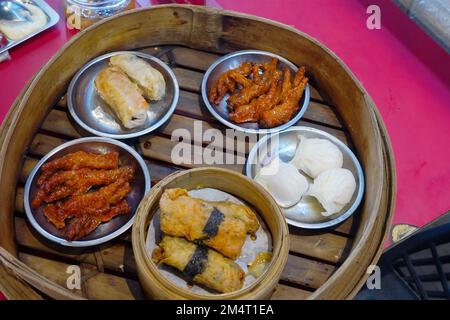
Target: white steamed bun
column 314, row 156
column 333, row 188
column 283, row 182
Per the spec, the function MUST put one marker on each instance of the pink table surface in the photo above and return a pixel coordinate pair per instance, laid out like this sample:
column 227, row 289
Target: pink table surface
column 406, row 73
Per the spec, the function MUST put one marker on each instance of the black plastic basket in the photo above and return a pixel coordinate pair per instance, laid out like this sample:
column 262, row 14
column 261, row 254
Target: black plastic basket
column 417, row 267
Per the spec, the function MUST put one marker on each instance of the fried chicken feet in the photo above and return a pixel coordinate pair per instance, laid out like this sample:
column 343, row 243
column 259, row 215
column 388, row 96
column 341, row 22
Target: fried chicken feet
column 65, row 186
column 227, row 83
column 283, row 112
column 259, row 87
column 92, row 203
column 262, row 96
column 73, row 182
column 79, row 160
column 83, row 225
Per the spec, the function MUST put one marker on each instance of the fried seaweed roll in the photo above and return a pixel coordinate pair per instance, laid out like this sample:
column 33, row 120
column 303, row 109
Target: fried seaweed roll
column 200, row 264
column 222, row 225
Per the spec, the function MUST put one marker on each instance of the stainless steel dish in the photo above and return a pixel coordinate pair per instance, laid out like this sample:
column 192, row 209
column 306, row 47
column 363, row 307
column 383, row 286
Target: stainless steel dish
column 233, row 60
column 95, row 116
column 106, row 231
column 307, row 212
column 14, row 11
column 52, row 19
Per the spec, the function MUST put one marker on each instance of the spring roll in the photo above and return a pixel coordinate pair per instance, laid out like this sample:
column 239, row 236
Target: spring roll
column 200, row 264
column 222, row 225
column 123, row 96
column 150, row 80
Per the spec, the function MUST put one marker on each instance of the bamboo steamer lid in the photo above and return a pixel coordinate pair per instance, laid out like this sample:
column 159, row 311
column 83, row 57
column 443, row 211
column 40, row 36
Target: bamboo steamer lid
column 154, row 282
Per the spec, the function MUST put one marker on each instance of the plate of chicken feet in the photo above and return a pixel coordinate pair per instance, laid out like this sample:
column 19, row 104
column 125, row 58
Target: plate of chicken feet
column 256, row 91
column 85, row 192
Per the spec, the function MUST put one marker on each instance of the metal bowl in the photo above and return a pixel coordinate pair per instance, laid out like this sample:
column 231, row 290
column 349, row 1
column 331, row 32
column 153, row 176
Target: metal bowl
column 96, row 117
column 233, row 60
column 307, row 212
column 52, row 19
column 106, row 231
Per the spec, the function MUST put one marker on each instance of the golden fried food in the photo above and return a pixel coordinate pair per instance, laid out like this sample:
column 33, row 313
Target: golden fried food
column 230, row 84
column 283, row 112
column 82, row 190
column 148, row 79
column 79, row 160
column 256, row 72
column 258, row 87
column 239, row 79
column 226, row 84
column 220, row 225
column 251, row 112
column 286, row 84
column 265, row 94
column 123, row 96
column 73, row 182
column 200, row 264
column 245, row 113
column 92, row 203
column 84, row 224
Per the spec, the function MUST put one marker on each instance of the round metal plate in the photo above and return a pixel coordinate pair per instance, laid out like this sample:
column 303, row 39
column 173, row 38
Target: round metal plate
column 96, row 117
column 106, row 231
column 307, row 212
column 233, row 60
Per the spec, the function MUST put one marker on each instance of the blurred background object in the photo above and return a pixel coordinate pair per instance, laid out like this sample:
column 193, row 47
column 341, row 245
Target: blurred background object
column 14, row 11
column 80, row 14
column 432, row 15
column 22, row 20
column 198, row 2
column 401, row 231
column 2, row 40
column 146, row 3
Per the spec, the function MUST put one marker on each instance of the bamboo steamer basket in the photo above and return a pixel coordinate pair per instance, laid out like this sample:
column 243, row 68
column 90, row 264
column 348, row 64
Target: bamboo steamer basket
column 219, row 32
column 159, row 287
